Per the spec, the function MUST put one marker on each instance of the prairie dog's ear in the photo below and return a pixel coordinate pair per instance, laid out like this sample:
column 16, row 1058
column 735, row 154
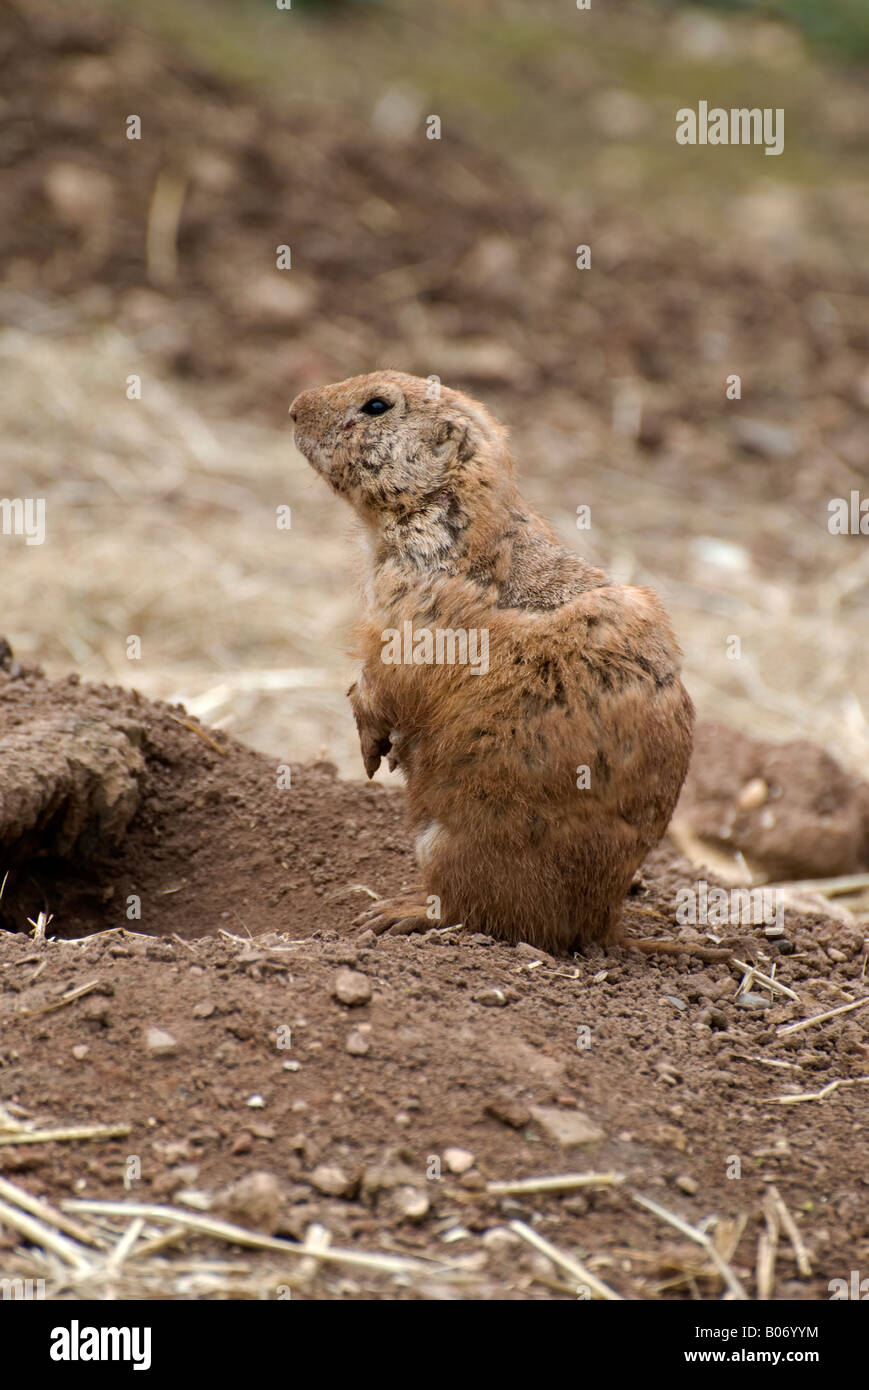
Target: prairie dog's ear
column 453, row 440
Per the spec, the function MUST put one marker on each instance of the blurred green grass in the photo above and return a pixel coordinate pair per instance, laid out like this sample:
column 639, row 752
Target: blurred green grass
column 532, row 82
column 838, row 26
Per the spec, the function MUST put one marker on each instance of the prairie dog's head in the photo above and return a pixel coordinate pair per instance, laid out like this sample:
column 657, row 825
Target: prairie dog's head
column 395, row 444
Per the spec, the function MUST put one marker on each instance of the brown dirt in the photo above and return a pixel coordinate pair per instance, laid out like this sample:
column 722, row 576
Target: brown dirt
column 678, row 1076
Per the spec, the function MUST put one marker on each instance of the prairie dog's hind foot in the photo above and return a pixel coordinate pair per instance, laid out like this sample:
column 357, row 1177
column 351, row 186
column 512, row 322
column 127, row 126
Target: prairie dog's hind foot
column 402, row 915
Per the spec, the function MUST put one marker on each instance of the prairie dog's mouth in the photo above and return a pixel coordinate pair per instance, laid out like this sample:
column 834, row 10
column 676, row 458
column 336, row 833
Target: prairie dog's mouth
column 321, row 460
column 312, row 451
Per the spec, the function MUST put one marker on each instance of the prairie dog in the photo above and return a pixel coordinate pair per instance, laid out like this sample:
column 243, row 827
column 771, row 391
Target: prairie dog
column 542, row 761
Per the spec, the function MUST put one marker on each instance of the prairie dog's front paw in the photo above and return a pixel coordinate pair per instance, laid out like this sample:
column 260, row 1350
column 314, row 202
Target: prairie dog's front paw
column 374, row 735
column 398, row 747
column 374, row 747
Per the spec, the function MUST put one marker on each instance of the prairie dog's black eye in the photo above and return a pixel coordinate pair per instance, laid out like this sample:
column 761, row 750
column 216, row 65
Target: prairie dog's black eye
column 376, row 406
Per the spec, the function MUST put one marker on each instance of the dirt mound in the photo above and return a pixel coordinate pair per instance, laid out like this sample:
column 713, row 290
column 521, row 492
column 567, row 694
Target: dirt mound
column 220, row 836
column 430, row 249
column 242, row 1053
column 789, row 809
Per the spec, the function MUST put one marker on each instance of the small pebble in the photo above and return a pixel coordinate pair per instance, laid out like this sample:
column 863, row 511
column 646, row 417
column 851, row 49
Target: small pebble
column 332, row 1182
column 172, row 1150
column 753, row 794
column 255, row 1200
column 528, row 952
column 458, row 1160
column 198, row 1200
column 499, row 1238
column 577, row 1204
column 188, row 1173
column 566, row 1127
column 410, row 1203
column 351, row 987
column 509, row 1111
column 755, row 1002
column 356, row 1044
column 255, row 1102
column 80, row 1051
column 159, row 1043
column 491, row 999
column 687, row 1184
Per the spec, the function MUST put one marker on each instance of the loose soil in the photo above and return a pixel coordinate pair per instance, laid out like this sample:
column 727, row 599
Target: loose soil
column 247, row 890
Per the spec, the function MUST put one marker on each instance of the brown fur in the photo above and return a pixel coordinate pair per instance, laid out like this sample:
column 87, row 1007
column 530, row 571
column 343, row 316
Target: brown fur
column 582, row 672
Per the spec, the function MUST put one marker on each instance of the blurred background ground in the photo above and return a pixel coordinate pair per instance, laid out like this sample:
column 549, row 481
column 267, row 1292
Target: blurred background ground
column 455, row 257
